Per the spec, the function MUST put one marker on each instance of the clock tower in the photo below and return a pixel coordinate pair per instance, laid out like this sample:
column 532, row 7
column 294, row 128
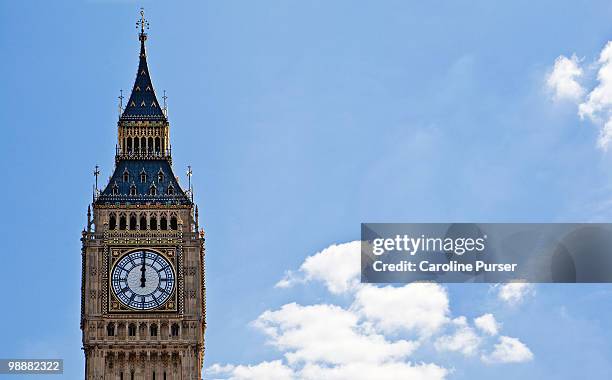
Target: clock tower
column 142, row 291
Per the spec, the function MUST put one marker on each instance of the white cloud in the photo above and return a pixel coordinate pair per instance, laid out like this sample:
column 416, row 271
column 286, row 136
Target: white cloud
column 487, row 324
column 274, row 370
column 513, row 293
column 421, row 308
column 562, row 80
column 509, row 350
column 337, row 266
column 598, row 105
column 605, row 135
column 463, row 340
column 599, row 99
column 375, row 336
column 300, row 332
column 368, row 371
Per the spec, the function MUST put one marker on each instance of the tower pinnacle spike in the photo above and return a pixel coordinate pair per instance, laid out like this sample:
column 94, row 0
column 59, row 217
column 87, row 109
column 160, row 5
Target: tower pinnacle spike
column 143, row 24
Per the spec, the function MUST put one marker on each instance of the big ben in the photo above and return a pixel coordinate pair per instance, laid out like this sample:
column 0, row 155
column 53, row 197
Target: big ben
column 142, row 292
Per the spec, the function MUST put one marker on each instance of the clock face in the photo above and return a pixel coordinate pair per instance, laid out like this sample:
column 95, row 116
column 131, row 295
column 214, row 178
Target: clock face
column 143, row 280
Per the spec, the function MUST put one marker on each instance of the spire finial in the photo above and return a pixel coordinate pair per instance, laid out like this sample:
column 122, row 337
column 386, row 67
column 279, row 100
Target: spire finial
column 143, row 24
column 190, row 189
column 96, row 173
column 120, row 97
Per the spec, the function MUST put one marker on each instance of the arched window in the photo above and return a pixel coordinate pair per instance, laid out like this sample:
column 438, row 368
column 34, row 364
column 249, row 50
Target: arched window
column 143, row 176
column 136, row 145
column 170, row 190
column 173, row 223
column 115, row 189
column 160, row 176
column 129, row 145
column 121, row 330
column 132, row 375
column 143, row 222
column 153, row 222
column 153, row 375
column 157, row 145
column 133, row 222
column 112, row 222
column 110, row 329
column 122, row 222
column 132, row 329
column 120, row 375
column 153, row 190
column 163, row 223
column 153, row 329
column 143, row 145
column 133, row 190
column 174, row 329
column 150, row 144
column 126, row 176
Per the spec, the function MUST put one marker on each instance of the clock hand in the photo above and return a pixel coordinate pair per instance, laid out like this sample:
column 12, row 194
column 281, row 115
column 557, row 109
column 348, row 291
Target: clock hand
column 143, row 279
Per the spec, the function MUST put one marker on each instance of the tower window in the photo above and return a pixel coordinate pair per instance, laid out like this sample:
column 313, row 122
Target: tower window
column 133, row 190
column 173, row 223
column 110, row 329
column 115, row 189
column 126, row 175
column 143, row 176
column 160, row 176
column 143, row 222
column 112, row 222
column 153, row 330
column 153, row 223
column 132, row 222
column 170, row 190
column 132, row 329
column 174, row 329
column 122, row 222
column 132, row 375
column 153, row 190
column 163, row 223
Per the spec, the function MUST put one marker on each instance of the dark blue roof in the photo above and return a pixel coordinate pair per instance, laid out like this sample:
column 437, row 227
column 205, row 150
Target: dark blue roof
column 143, row 104
column 119, row 191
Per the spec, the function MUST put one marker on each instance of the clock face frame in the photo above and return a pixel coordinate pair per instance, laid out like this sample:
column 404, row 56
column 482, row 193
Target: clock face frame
column 148, row 287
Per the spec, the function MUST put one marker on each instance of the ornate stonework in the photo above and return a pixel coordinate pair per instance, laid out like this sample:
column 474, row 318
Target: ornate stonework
column 144, row 230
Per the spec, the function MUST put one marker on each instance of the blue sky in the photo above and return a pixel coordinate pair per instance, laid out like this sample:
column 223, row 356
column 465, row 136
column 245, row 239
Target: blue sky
column 302, row 119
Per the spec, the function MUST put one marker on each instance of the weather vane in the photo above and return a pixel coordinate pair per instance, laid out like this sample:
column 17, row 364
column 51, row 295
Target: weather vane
column 142, row 24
